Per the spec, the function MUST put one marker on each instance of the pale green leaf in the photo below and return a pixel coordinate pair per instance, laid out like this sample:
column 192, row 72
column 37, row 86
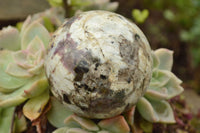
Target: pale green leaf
column 8, row 82
column 33, row 30
column 37, row 69
column 164, row 85
column 140, row 16
column 173, row 86
column 77, row 130
column 6, row 90
column 12, row 99
column 58, row 113
column 76, row 121
column 157, row 94
column 61, row 130
column 10, row 38
column 26, row 23
column 103, row 131
column 20, row 124
column 70, row 130
column 155, row 111
column 115, row 124
column 156, row 61
column 38, row 87
column 145, row 125
column 165, row 58
column 20, row 58
column 35, row 45
column 6, row 117
column 16, row 97
column 159, row 78
column 34, row 107
column 15, row 70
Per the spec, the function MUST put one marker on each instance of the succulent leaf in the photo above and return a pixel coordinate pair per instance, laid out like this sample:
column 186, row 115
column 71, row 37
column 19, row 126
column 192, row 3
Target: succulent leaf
column 70, row 130
column 156, row 61
column 159, row 78
column 173, row 86
column 20, row 57
column 17, row 97
column 103, row 131
column 61, row 130
column 57, row 113
column 26, row 23
column 165, row 57
column 169, row 86
column 116, row 124
column 20, row 124
column 37, row 69
column 6, row 117
column 77, row 130
column 14, row 70
column 76, row 121
column 155, row 111
column 164, row 84
column 11, row 99
column 145, row 125
column 9, row 38
column 8, row 83
column 34, row 107
column 35, row 45
column 33, row 30
column 37, row 88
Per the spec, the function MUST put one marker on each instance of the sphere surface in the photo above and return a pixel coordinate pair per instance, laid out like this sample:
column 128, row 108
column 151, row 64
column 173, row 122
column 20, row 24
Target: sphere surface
column 99, row 64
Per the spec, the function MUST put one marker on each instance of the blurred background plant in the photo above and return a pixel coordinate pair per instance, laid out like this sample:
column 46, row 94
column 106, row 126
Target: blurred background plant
column 174, row 25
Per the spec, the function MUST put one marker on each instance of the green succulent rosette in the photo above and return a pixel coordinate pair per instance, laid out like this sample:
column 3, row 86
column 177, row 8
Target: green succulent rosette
column 164, row 85
column 22, row 76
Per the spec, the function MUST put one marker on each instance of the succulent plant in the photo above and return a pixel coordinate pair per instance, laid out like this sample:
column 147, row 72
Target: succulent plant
column 82, row 52
column 22, row 76
column 163, row 86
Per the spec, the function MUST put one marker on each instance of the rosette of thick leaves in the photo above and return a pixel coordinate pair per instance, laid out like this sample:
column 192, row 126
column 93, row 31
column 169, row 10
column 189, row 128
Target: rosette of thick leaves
column 163, row 86
column 22, row 74
column 65, row 121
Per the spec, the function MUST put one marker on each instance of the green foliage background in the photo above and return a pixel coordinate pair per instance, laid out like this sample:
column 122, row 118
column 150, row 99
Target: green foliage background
column 173, row 24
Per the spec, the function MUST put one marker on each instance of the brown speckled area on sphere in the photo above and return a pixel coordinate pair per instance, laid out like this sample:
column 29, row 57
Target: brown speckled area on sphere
column 99, row 64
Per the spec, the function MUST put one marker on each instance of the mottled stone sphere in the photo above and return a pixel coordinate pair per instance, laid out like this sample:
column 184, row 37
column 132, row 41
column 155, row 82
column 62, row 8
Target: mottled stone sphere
column 98, row 64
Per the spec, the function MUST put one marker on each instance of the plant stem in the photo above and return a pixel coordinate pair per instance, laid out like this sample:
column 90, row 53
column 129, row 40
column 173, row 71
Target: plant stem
column 67, row 8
